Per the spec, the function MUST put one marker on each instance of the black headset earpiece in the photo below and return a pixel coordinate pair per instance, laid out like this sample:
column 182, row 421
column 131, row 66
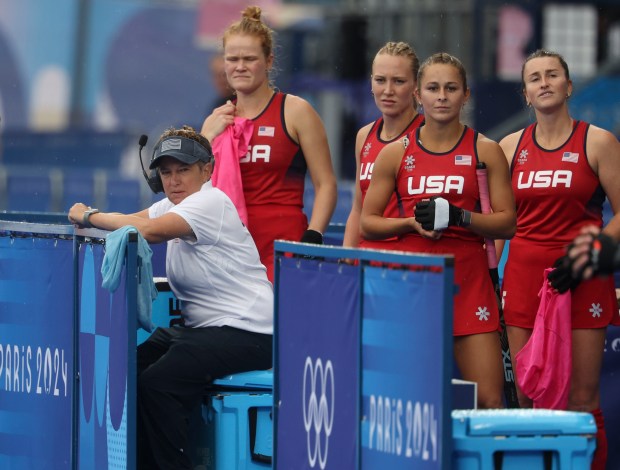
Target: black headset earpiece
column 153, row 179
column 154, row 182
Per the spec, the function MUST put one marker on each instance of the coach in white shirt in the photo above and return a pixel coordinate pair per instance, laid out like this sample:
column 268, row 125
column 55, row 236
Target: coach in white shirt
column 213, row 267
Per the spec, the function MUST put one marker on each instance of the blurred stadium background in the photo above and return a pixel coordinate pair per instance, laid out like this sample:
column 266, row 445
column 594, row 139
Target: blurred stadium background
column 81, row 80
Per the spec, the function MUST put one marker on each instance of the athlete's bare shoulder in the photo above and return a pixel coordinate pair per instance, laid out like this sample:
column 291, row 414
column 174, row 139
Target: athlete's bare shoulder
column 601, row 144
column 394, row 150
column 363, row 132
column 296, row 103
column 601, row 136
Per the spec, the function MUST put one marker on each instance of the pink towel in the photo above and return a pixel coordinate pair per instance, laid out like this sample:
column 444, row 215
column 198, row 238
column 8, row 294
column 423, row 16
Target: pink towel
column 544, row 364
column 229, row 147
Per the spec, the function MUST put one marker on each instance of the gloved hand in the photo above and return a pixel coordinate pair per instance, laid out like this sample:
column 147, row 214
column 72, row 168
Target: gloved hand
column 438, row 214
column 312, row 236
column 603, row 254
column 560, row 278
column 592, row 253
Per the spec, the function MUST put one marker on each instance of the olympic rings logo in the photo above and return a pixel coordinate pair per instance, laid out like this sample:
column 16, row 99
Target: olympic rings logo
column 614, row 344
column 318, row 410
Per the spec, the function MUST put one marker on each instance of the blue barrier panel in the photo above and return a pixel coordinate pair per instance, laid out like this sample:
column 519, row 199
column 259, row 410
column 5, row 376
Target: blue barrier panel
column 107, row 370
column 67, row 349
column 317, row 358
column 610, row 385
column 36, row 352
column 375, row 398
column 406, row 368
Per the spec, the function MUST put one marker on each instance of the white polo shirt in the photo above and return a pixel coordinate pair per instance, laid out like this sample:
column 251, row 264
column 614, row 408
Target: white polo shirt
column 218, row 275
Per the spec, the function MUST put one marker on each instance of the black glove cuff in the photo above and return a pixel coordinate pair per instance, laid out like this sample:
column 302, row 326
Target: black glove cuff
column 312, row 236
column 604, row 255
column 456, row 216
column 465, row 220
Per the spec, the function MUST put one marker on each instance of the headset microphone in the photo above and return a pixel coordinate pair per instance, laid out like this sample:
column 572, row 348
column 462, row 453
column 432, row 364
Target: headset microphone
column 153, row 180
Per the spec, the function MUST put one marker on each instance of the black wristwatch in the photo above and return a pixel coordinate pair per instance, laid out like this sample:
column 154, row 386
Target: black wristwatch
column 86, row 216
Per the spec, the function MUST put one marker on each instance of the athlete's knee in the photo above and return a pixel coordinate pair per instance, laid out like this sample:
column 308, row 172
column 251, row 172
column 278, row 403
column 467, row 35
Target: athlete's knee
column 583, row 402
column 583, row 398
column 488, row 403
column 490, row 399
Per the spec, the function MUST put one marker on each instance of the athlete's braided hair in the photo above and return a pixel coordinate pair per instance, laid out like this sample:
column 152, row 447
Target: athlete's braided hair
column 447, row 59
column 401, row 49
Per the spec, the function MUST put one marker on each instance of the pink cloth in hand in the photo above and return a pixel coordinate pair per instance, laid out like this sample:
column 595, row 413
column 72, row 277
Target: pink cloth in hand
column 229, row 147
column 544, row 364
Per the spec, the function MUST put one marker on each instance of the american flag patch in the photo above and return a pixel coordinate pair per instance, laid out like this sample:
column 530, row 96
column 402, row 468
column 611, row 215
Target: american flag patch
column 462, row 160
column 570, row 157
column 266, row 131
column 170, row 144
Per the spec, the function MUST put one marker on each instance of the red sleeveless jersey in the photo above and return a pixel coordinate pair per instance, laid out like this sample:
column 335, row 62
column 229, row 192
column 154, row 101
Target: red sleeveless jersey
column 451, row 175
column 556, row 191
column 373, row 144
column 274, row 169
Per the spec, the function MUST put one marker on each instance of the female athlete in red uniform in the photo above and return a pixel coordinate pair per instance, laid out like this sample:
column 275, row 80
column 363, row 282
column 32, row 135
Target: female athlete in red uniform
column 438, row 161
column 562, row 169
column 393, row 81
column 289, row 138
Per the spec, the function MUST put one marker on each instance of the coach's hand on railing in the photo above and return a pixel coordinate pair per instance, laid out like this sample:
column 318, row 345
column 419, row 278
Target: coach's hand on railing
column 79, row 214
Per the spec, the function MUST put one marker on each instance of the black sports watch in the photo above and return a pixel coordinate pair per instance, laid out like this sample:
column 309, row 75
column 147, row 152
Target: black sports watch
column 86, row 216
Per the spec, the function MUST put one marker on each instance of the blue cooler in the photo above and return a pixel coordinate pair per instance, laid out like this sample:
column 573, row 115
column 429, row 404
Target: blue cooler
column 254, row 380
column 522, row 439
column 235, row 429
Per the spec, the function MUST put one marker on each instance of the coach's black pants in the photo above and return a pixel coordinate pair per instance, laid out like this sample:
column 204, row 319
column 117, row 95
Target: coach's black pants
column 175, row 365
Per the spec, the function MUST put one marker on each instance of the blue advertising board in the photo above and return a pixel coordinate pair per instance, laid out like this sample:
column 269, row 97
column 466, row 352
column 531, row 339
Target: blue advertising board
column 36, row 352
column 318, row 352
column 67, row 350
column 104, row 343
column 610, row 384
column 405, row 368
column 363, row 359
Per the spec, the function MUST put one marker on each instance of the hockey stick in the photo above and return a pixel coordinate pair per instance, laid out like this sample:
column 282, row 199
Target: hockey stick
column 510, row 389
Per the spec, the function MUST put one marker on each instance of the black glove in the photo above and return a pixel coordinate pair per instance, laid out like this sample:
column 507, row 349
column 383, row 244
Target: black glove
column 604, row 254
column 439, row 214
column 312, row 236
column 560, row 278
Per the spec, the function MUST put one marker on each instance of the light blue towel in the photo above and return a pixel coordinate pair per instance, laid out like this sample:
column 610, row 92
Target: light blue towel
column 112, row 267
